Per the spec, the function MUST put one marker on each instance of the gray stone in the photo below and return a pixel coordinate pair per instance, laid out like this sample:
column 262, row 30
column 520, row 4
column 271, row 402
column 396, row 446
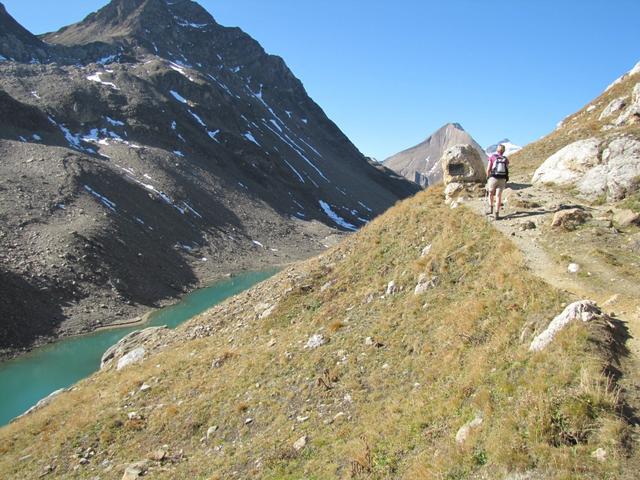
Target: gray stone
column 425, row 282
column 315, row 341
column 463, row 164
column 570, row 219
column 211, row 431
column 584, row 310
column 392, row 288
column 626, row 217
column 529, row 225
column 132, row 473
column 300, row 443
column 464, row 431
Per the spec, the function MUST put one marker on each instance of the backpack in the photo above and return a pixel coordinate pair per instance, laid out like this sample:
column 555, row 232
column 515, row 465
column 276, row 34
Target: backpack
column 499, row 168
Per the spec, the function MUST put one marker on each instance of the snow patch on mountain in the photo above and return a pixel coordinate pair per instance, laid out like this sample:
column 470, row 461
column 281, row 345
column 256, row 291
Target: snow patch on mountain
column 335, row 217
column 510, row 148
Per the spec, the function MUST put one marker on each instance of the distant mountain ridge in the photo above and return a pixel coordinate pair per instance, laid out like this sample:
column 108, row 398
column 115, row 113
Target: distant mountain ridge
column 421, row 163
column 148, row 141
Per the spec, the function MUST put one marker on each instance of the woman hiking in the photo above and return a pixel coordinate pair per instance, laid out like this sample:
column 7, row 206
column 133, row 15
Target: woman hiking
column 498, row 176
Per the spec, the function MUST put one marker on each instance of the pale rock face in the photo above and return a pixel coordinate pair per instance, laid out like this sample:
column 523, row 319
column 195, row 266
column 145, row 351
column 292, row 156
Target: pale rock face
column 614, row 106
column 134, row 356
column 622, row 157
column 584, row 310
column 147, row 340
column 462, row 164
column 580, row 164
column 569, row 164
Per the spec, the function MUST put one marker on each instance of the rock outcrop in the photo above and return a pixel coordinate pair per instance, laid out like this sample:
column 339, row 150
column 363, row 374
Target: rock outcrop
column 135, row 347
column 584, row 310
column 596, row 168
column 463, row 173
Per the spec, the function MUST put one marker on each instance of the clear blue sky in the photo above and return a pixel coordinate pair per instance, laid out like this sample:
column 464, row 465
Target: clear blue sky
column 391, row 72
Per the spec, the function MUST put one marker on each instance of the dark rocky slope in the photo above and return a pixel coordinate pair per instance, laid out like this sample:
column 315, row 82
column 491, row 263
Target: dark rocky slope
column 147, row 149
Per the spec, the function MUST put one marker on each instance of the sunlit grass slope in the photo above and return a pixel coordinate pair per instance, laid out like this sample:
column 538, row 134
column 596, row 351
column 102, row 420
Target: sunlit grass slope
column 383, row 398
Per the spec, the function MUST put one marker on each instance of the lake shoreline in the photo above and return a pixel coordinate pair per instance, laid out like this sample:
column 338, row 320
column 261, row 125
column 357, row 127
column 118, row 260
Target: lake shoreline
column 8, row 354
column 60, row 365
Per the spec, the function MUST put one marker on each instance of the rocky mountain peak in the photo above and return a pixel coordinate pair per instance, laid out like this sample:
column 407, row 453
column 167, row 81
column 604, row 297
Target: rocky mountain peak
column 421, row 163
column 118, row 20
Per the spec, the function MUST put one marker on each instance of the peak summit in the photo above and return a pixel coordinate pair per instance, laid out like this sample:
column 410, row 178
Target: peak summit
column 130, row 19
column 421, row 163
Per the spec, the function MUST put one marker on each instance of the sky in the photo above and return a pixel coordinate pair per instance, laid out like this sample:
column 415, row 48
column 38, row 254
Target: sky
column 390, row 73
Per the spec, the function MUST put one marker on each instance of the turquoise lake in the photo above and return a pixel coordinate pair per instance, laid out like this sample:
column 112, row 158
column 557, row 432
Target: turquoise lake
column 33, row 376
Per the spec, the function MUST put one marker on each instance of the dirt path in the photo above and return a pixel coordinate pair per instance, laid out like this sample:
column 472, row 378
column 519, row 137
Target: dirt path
column 609, row 273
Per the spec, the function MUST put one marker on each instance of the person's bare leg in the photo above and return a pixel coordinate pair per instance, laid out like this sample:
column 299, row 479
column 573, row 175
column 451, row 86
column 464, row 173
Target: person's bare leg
column 499, row 202
column 491, row 196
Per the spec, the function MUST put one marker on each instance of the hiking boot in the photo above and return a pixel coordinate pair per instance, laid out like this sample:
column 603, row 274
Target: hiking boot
column 497, row 216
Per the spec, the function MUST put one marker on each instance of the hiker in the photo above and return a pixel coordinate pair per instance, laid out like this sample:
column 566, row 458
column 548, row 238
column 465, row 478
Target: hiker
column 497, row 178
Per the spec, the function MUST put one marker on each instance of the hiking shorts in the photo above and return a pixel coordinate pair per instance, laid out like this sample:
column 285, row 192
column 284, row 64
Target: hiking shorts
column 494, row 184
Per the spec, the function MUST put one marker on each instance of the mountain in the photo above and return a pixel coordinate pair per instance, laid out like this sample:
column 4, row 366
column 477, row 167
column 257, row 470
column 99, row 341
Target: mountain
column 510, row 148
column 421, row 163
column 16, row 42
column 148, row 149
column 340, row 367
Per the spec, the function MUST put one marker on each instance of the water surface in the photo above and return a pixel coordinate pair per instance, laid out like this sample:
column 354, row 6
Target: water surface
column 33, row 376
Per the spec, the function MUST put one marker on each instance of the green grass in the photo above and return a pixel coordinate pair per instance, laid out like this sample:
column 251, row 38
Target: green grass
column 384, row 411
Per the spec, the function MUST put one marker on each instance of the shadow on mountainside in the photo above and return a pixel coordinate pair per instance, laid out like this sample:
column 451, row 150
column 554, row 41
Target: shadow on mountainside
column 28, row 309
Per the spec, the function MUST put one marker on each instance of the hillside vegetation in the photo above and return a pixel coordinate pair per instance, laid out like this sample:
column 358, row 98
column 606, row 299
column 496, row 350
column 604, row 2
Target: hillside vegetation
column 242, row 392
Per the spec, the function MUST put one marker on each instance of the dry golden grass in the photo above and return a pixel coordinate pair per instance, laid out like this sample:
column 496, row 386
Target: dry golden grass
column 386, row 409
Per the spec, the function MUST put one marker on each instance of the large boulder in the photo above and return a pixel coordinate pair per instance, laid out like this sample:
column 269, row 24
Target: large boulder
column 463, row 164
column 596, row 168
column 134, row 347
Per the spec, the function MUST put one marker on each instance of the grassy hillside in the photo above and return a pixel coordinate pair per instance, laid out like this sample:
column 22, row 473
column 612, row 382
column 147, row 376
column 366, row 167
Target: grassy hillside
column 384, row 398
